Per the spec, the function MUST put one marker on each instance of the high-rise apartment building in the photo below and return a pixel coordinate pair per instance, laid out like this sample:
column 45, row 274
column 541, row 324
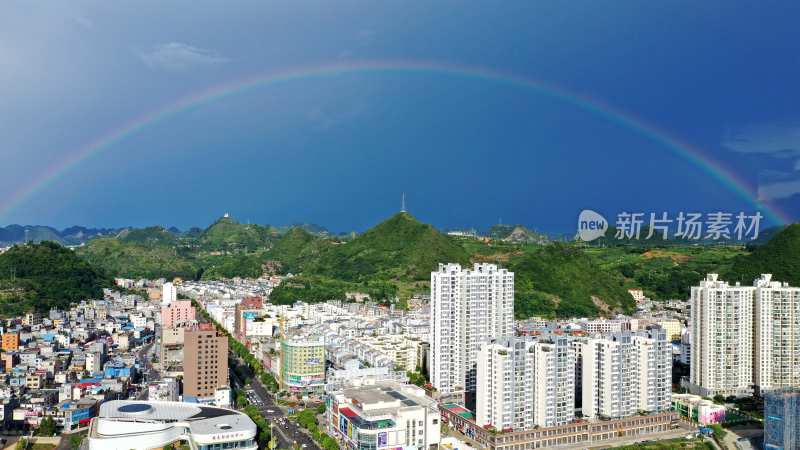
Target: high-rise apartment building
column 205, row 361
column 524, row 382
column 722, row 338
column 777, row 334
column 624, row 373
column 744, row 337
column 468, row 308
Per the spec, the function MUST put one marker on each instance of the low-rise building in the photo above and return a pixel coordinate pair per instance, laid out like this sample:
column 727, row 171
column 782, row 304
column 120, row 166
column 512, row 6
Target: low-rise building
column 384, row 415
column 139, row 424
column 698, row 410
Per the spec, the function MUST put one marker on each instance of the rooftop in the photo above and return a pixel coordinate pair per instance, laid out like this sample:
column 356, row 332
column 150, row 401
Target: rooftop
column 161, row 422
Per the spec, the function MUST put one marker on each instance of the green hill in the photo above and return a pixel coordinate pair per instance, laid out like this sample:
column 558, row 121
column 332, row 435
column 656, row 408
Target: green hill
column 228, row 235
column 297, row 248
column 780, row 256
column 561, row 280
column 400, row 248
column 46, row 275
column 147, row 258
column 150, row 236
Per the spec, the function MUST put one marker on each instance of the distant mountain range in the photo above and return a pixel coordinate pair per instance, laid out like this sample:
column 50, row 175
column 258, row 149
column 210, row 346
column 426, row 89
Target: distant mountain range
column 77, row 235
column 15, row 234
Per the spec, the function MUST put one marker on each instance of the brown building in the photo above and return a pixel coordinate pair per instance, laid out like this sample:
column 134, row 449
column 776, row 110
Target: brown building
column 205, row 363
column 10, row 342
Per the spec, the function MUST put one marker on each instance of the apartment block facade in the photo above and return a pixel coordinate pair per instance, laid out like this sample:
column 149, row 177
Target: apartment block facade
column 625, row 373
column 469, row 307
column 524, row 382
column 744, row 338
column 722, row 338
column 777, row 334
column 205, row 361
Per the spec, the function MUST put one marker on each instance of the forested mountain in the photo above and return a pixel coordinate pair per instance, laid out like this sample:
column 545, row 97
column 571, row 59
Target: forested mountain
column 45, row 275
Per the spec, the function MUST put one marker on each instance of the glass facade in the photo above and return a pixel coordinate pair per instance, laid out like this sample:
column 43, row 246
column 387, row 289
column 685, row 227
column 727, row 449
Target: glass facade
column 782, row 419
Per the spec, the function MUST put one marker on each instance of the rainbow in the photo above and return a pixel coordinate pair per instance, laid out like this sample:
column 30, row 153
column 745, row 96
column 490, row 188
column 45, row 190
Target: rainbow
column 214, row 93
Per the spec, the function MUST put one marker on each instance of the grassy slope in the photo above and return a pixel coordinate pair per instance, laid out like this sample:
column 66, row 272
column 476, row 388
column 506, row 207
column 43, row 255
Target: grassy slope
column 401, row 248
column 780, row 257
column 665, row 273
column 297, row 248
column 46, row 275
column 227, row 235
column 137, row 259
column 562, row 280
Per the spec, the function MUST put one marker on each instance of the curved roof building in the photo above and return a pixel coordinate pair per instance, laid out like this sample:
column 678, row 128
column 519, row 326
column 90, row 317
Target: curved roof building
column 129, row 424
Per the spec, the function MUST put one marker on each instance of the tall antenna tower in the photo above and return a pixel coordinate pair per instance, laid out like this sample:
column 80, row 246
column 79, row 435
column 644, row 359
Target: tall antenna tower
column 403, row 203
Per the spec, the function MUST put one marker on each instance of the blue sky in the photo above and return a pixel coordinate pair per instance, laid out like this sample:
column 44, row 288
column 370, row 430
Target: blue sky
column 339, row 150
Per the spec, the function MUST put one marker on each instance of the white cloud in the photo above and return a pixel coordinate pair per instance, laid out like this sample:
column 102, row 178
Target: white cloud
column 179, row 56
column 777, row 139
column 778, row 190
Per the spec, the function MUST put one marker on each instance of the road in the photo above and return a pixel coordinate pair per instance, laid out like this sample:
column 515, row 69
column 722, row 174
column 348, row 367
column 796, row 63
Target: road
column 287, row 431
column 149, row 373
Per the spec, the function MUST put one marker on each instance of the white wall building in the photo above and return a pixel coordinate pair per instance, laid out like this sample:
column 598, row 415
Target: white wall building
column 526, row 382
column 127, row 424
column 722, row 338
column 468, row 309
column 777, row 334
column 744, row 337
column 624, row 373
column 168, row 294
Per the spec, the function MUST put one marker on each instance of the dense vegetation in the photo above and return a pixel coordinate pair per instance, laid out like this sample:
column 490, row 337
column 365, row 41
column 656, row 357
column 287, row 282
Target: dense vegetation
column 43, row 276
column 393, row 260
column 780, row 257
column 226, row 249
column 140, row 258
column 400, row 248
column 228, row 235
column 665, row 273
column 562, row 280
column 297, row 248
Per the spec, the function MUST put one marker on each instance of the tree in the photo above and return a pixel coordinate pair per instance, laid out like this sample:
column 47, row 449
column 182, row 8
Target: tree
column 47, row 427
